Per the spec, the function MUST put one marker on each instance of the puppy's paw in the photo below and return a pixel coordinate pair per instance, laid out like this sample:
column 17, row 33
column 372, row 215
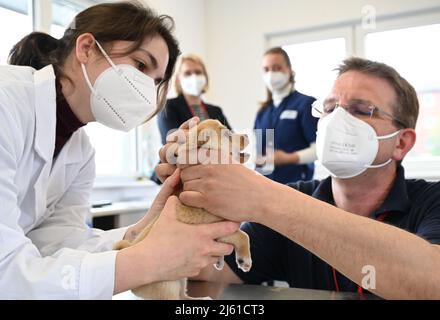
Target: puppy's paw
column 220, row 263
column 244, row 264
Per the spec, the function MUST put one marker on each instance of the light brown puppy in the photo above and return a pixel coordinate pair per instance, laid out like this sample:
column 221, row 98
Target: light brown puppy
column 208, row 135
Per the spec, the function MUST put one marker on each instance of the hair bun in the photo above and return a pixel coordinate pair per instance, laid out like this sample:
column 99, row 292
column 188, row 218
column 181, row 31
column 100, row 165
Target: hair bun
column 34, row 50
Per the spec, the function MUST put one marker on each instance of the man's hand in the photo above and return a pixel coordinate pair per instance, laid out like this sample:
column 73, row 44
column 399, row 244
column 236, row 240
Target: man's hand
column 231, row 191
column 168, row 152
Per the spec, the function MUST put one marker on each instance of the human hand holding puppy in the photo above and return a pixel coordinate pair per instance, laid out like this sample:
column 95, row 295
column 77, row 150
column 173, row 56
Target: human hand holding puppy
column 166, row 169
column 209, row 135
column 172, row 250
column 207, row 186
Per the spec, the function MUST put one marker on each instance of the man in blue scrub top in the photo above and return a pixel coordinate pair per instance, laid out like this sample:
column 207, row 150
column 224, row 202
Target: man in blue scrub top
column 288, row 112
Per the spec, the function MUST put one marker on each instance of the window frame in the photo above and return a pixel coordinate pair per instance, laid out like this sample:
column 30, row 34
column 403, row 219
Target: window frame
column 426, row 167
column 14, row 8
column 29, row 13
column 326, row 32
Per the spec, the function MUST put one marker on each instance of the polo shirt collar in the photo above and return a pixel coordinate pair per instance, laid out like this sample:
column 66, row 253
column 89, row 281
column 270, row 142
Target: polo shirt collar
column 396, row 201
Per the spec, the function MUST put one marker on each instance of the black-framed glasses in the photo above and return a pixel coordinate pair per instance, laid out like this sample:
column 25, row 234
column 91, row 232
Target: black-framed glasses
column 358, row 108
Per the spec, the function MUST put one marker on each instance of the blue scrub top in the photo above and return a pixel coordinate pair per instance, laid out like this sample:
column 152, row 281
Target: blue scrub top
column 294, row 129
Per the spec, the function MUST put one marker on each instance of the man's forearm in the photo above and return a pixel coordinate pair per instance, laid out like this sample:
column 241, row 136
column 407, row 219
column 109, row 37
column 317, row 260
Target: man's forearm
column 405, row 265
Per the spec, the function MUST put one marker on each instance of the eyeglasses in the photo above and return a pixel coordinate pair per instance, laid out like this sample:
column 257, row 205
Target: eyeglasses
column 358, row 108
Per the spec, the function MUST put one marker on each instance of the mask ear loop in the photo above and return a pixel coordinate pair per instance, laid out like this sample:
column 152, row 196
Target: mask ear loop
column 373, row 166
column 86, row 76
column 106, row 55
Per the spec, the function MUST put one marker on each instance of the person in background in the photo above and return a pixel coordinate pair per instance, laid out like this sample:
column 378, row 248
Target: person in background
column 366, row 228
column 288, row 112
column 191, row 82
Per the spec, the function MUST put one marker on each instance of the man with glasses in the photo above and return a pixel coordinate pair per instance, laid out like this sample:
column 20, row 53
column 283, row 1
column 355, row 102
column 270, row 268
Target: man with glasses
column 364, row 228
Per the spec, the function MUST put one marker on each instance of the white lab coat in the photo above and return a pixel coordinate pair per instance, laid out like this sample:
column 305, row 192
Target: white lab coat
column 46, row 249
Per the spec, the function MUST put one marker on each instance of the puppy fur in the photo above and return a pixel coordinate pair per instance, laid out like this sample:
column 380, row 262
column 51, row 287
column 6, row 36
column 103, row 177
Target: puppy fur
column 211, row 135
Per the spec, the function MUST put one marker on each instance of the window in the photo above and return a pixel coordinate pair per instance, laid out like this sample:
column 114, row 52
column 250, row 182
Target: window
column 415, row 53
column 314, row 55
column 148, row 147
column 313, row 63
column 63, row 13
column 407, row 42
column 14, row 15
column 115, row 151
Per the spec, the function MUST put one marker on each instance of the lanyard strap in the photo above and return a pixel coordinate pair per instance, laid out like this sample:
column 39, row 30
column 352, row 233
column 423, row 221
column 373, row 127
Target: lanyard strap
column 360, row 290
column 203, row 109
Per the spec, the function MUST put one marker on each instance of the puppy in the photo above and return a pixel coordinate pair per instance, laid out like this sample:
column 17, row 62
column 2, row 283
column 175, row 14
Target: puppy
column 208, row 135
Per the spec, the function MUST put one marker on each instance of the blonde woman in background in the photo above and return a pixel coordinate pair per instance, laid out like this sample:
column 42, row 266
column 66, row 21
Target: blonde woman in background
column 191, row 83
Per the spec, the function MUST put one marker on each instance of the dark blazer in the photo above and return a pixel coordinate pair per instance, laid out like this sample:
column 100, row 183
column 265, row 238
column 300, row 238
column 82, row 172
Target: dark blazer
column 177, row 112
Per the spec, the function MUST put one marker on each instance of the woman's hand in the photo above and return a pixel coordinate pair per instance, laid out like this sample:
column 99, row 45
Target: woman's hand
column 231, row 191
column 172, row 250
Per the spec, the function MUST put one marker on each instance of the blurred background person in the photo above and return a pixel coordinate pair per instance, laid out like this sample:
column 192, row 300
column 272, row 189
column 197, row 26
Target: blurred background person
column 288, row 112
column 191, row 82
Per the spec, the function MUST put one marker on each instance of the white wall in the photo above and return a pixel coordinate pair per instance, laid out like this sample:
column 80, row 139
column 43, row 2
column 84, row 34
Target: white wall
column 189, row 16
column 235, row 41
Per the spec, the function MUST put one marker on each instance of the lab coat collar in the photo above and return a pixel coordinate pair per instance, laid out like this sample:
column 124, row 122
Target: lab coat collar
column 74, row 152
column 45, row 112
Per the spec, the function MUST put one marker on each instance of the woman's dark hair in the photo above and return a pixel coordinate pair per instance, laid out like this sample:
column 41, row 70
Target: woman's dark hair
column 108, row 22
column 283, row 53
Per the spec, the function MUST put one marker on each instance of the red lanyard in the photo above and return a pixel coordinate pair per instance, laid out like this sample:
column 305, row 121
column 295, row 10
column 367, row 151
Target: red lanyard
column 360, row 290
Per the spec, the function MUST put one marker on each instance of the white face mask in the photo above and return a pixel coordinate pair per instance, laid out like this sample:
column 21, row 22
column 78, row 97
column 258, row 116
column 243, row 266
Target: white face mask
column 275, row 81
column 193, row 85
column 347, row 146
column 122, row 97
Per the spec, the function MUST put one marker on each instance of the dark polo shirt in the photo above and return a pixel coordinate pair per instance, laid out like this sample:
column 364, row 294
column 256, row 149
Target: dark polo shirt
column 412, row 205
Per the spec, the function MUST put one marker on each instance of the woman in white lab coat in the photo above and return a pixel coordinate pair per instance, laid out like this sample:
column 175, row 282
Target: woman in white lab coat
column 47, row 163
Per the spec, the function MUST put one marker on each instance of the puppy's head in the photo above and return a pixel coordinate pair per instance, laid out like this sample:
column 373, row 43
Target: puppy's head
column 213, row 135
